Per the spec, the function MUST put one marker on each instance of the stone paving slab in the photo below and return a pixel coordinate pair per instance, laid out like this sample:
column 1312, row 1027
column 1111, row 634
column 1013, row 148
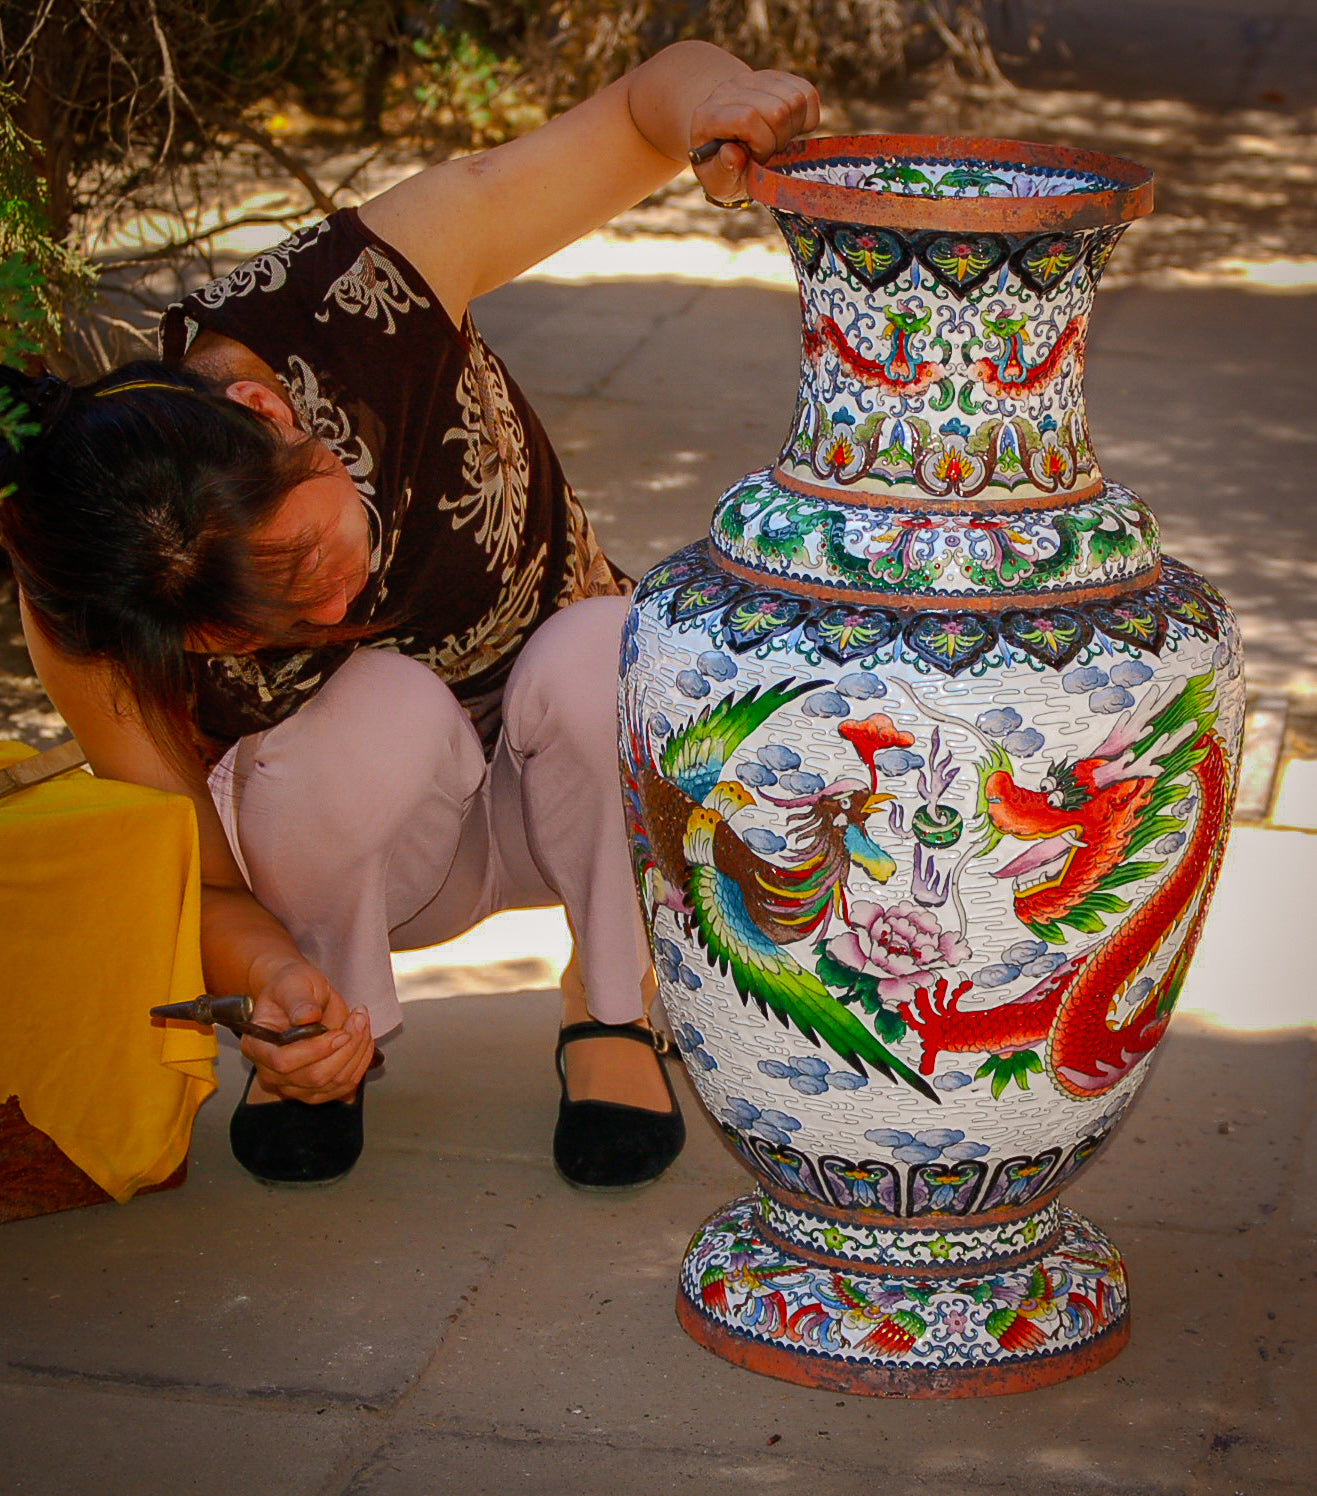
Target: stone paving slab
column 1212, row 1141
column 421, row 1465
column 228, row 1289
column 522, row 1334
column 73, row 1440
column 1149, row 1417
column 1203, row 1289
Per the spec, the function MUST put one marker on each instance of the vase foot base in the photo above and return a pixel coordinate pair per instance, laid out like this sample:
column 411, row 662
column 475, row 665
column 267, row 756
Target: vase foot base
column 862, row 1330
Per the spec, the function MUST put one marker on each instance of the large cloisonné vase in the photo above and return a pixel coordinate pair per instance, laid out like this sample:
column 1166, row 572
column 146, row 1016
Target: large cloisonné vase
column 929, row 756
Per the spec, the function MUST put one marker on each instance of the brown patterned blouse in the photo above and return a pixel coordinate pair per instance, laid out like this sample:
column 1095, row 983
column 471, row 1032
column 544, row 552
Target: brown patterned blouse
column 476, row 537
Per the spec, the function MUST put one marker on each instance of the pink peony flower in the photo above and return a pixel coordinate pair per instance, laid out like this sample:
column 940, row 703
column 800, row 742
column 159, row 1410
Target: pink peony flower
column 902, row 946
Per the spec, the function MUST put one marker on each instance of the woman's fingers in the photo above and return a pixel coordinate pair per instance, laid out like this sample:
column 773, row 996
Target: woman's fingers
column 755, row 117
column 326, row 1068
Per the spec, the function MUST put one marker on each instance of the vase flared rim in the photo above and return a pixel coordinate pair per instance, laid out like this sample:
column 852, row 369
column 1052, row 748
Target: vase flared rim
column 1083, row 189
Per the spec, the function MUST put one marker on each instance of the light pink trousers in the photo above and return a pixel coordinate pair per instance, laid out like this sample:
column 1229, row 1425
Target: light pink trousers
column 369, row 821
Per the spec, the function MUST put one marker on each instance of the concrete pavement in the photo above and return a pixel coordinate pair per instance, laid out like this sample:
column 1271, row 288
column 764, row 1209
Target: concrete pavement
column 452, row 1317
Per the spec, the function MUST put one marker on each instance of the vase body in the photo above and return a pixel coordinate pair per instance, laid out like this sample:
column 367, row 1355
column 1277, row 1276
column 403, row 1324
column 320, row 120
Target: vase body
column 929, row 757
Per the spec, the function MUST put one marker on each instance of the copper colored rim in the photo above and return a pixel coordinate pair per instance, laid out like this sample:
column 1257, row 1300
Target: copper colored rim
column 1131, row 198
column 834, row 1374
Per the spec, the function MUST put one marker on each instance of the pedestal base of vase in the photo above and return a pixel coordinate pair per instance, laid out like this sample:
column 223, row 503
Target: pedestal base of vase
column 940, row 1311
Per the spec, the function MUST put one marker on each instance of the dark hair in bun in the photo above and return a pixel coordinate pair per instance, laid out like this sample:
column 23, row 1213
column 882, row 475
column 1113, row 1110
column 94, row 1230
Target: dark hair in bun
column 130, row 525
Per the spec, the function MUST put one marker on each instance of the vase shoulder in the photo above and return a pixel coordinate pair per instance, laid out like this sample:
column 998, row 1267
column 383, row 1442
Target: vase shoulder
column 811, row 541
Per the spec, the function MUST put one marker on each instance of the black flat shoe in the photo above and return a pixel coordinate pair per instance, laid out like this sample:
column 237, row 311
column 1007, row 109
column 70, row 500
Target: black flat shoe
column 293, row 1142
column 605, row 1145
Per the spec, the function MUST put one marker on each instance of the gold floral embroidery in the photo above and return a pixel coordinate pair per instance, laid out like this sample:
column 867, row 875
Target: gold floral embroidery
column 372, row 286
column 492, row 638
column 495, row 464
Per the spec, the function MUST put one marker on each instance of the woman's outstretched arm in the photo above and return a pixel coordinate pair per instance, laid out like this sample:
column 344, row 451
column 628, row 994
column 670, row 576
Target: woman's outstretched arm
column 471, row 224
column 244, row 948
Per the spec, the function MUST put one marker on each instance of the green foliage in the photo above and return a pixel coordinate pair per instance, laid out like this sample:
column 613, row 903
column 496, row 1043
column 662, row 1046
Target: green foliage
column 862, row 988
column 37, row 274
column 465, row 86
column 1005, row 1068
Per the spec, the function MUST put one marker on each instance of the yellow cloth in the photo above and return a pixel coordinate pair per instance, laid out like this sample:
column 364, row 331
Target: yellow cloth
column 99, row 921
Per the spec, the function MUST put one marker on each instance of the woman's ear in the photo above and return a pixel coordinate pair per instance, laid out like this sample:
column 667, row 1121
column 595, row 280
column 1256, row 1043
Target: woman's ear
column 262, row 399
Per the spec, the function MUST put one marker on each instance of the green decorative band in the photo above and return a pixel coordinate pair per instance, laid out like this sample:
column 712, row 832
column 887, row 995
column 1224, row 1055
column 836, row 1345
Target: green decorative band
column 1095, row 548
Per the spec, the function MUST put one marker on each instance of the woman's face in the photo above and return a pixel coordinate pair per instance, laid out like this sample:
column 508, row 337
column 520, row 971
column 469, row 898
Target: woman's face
column 324, row 514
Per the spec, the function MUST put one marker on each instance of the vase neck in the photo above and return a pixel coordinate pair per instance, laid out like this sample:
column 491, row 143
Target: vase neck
column 942, row 370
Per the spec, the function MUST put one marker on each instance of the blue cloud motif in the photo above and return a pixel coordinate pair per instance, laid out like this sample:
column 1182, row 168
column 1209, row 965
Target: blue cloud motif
column 916, row 1153
column 889, row 1137
column 1111, row 699
column 690, row 1041
column 894, row 761
column 692, row 683
column 1028, row 740
column 846, row 1080
column 1040, row 966
column 996, row 975
column 998, row 722
column 669, row 966
column 809, row 1085
column 862, row 685
column 778, row 756
column 630, row 654
column 740, row 1112
column 755, row 774
column 934, row 1142
column 660, row 725
column 716, row 664
column 775, row 1127
column 760, row 839
column 953, row 1080
column 826, row 704
column 1085, row 678
column 801, row 782
column 1130, row 673
column 940, row 1137
column 1024, row 951
column 963, row 1151
column 812, row 1076
column 689, row 978
column 1171, row 842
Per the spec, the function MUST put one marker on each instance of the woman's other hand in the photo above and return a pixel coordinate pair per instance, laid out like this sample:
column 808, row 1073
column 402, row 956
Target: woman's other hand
column 326, row 1068
column 755, row 115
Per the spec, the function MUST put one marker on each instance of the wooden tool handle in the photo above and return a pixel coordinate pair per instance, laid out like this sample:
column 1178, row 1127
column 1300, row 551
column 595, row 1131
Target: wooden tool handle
column 40, row 767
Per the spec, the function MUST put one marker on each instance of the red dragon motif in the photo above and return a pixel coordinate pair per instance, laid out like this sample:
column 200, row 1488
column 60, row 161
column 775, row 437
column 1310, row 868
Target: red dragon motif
column 1083, row 826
